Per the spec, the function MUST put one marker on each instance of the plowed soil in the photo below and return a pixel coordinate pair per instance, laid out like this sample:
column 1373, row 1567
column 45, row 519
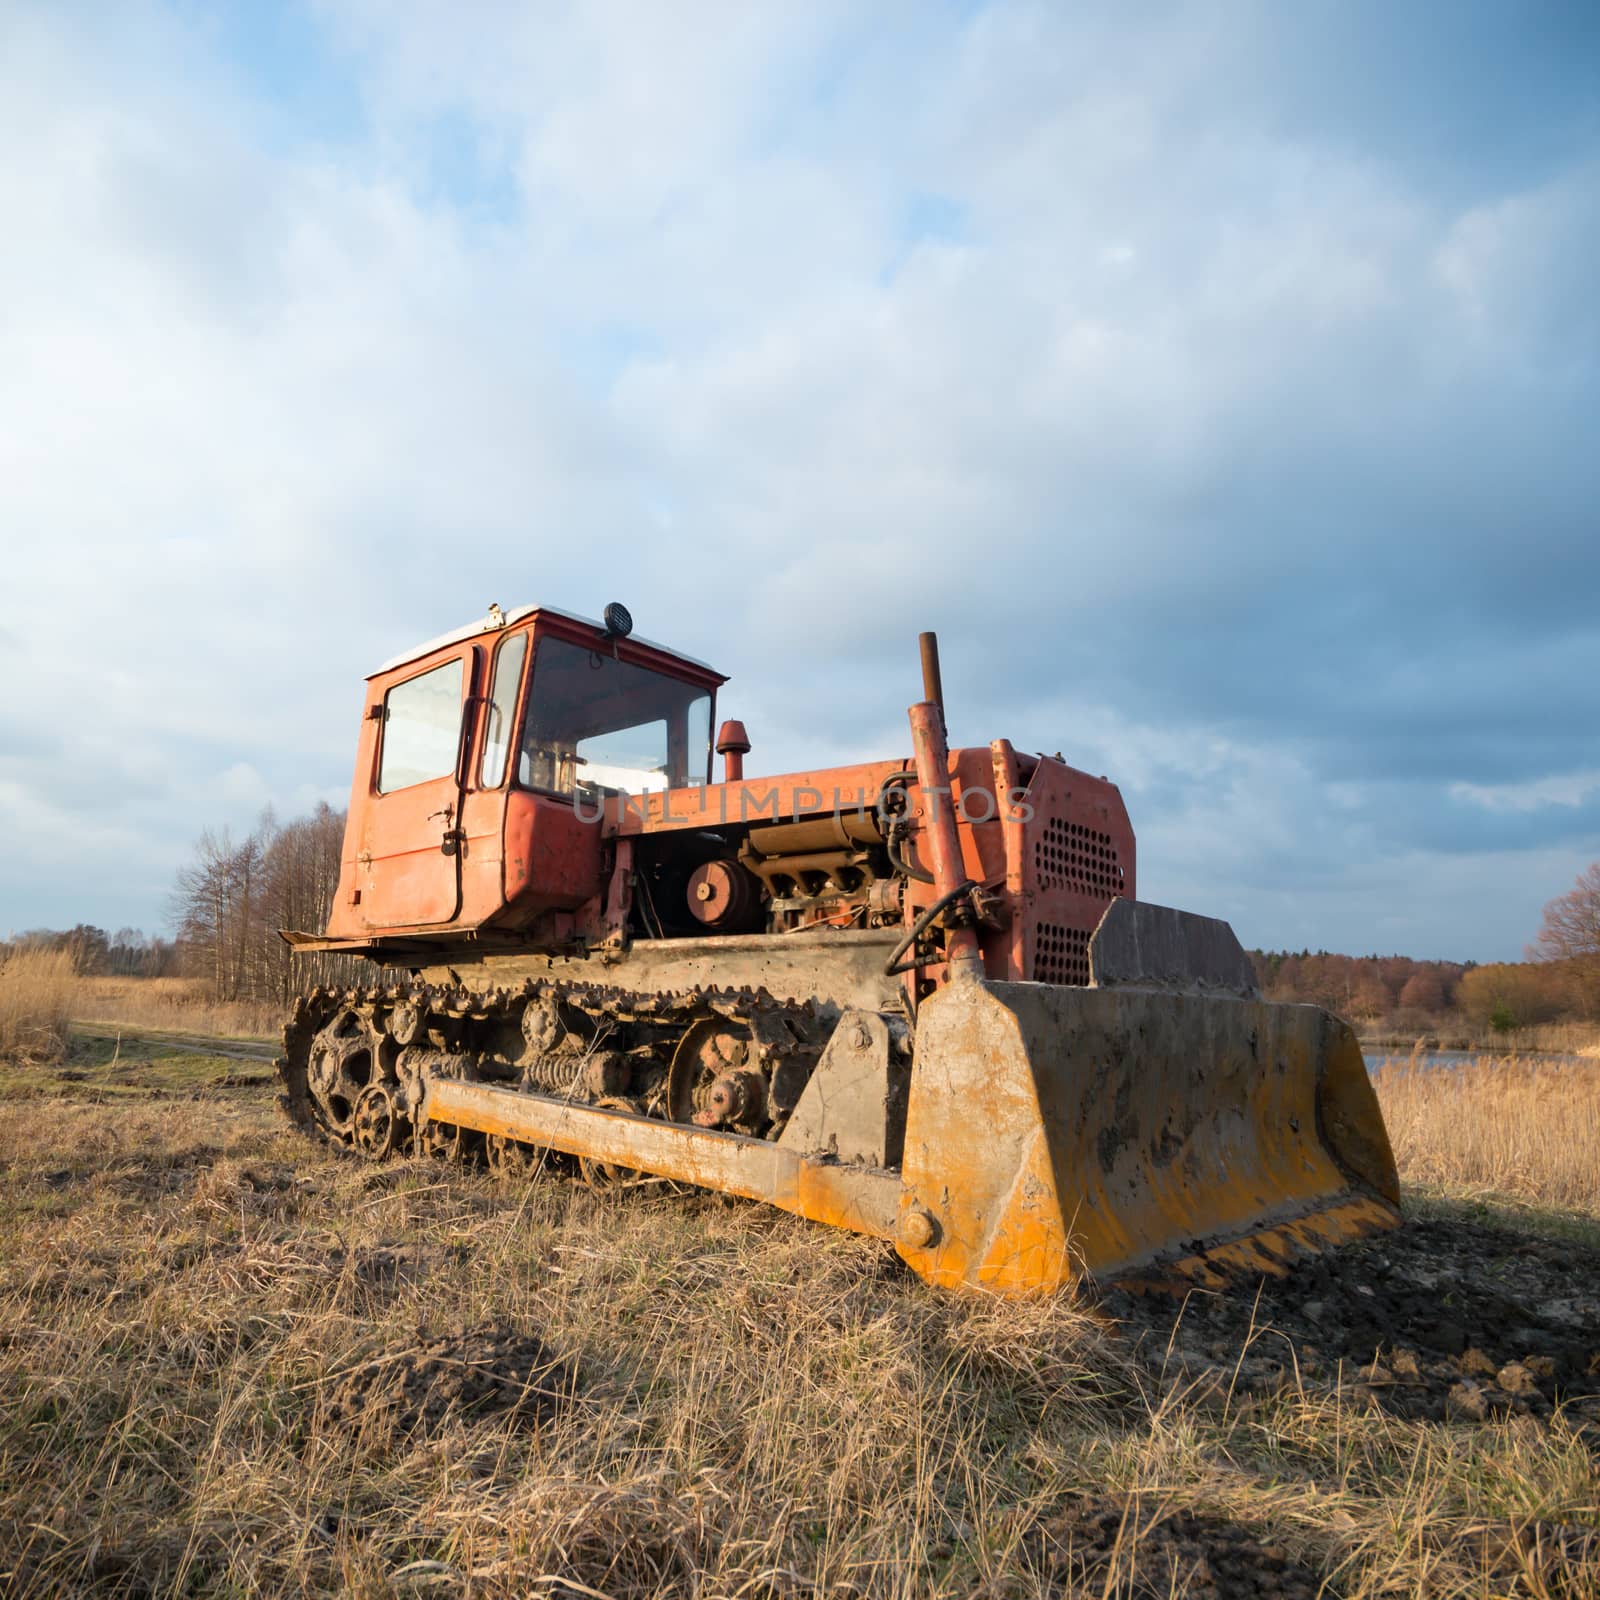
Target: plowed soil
column 1444, row 1320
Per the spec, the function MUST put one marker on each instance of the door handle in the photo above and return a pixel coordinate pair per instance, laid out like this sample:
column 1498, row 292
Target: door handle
column 451, row 840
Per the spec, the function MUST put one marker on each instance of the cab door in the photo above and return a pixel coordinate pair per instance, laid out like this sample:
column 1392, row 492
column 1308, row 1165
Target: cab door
column 410, row 857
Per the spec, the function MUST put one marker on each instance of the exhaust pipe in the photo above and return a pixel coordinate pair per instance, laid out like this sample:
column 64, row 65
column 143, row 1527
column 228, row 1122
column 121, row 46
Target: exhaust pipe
column 932, row 688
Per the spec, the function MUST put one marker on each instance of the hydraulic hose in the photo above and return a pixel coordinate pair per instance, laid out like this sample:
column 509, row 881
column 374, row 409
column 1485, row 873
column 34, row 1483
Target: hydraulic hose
column 894, row 966
column 894, row 826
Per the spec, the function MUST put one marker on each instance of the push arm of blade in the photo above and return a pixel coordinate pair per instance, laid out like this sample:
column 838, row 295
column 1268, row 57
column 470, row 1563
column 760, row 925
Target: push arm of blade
column 862, row 1199
column 962, row 954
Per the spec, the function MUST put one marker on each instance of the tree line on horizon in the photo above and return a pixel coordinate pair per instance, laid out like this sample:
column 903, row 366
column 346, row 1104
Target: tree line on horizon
column 1406, row 993
column 1558, row 981
column 228, row 902
column 233, row 895
column 127, row 953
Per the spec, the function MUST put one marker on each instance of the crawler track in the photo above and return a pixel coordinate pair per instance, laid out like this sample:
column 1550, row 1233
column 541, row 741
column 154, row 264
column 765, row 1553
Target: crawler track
column 356, row 1063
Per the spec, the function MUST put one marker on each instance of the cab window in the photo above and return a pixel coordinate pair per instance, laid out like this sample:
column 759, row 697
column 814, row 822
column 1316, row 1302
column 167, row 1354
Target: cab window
column 502, row 708
column 597, row 723
column 634, row 759
column 421, row 728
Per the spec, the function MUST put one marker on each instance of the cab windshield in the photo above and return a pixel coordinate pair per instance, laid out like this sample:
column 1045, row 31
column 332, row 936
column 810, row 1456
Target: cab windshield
column 598, row 724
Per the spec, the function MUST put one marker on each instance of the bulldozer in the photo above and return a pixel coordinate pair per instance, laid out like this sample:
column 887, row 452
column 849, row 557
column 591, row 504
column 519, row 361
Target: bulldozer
column 916, row 997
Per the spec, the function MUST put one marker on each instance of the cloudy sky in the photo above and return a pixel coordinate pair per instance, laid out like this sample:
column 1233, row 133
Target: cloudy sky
column 1221, row 383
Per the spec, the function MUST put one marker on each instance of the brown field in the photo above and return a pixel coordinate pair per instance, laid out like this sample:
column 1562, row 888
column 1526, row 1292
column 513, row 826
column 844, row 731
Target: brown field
column 210, row 1332
column 182, row 1005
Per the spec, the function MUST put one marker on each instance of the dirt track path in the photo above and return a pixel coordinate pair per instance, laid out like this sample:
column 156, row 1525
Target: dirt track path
column 200, row 1044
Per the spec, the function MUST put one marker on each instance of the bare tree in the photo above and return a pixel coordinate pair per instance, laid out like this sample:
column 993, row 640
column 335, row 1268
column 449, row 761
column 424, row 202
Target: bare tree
column 232, row 899
column 301, row 873
column 217, row 908
column 1570, row 932
column 203, row 909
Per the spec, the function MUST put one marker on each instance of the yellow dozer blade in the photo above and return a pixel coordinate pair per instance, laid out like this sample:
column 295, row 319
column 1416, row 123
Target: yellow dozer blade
column 1161, row 1127
column 1055, row 1134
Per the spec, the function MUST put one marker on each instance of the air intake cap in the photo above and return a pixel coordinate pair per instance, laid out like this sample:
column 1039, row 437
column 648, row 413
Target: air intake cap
column 618, row 623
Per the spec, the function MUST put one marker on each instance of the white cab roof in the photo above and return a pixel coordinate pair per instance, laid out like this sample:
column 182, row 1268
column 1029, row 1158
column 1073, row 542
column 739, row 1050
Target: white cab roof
column 496, row 620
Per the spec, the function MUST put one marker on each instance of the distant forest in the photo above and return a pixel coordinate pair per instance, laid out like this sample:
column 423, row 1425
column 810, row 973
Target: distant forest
column 1559, row 981
column 1404, row 994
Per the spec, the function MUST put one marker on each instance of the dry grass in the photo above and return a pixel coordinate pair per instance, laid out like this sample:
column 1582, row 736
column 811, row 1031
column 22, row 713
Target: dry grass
column 765, row 1408
column 1558, row 1038
column 1498, row 1125
column 174, row 1004
column 36, row 994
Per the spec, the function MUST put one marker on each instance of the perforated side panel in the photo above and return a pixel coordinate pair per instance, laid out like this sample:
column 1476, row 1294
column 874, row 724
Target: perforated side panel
column 1060, row 955
column 1077, row 856
column 1069, row 855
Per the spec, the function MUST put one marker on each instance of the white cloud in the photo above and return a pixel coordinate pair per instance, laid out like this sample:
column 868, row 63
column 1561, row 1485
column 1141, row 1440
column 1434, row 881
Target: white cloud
column 1567, row 789
column 1520, row 271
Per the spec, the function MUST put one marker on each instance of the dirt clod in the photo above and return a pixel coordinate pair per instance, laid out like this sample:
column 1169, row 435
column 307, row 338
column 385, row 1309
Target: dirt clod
column 1100, row 1545
column 471, row 1372
column 1515, row 1378
column 1440, row 1319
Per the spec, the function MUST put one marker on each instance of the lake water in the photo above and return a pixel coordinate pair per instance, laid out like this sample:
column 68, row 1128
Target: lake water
column 1377, row 1056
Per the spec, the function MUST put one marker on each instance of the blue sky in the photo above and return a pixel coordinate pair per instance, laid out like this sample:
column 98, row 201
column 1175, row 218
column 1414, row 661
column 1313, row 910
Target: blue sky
column 1219, row 382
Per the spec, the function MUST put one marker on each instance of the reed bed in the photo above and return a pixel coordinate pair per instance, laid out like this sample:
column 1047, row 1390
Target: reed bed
column 1557, row 1038
column 1455, row 1033
column 37, row 989
column 1506, row 1125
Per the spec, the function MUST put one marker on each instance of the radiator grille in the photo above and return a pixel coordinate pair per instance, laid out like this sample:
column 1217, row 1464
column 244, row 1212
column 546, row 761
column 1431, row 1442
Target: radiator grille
column 1068, row 855
column 1060, row 955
